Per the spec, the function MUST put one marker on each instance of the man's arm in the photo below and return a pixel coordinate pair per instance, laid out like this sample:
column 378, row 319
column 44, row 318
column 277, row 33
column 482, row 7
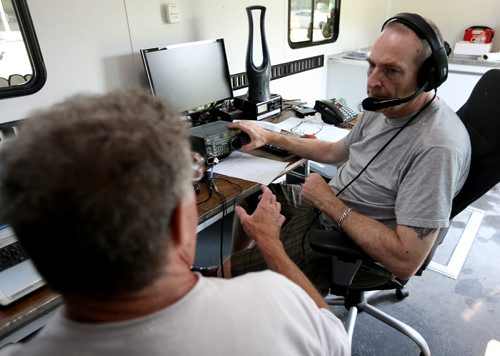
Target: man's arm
column 401, row 251
column 316, row 150
column 264, row 227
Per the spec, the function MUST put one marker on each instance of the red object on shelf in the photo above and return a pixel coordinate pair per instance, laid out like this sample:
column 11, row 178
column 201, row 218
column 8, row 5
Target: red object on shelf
column 479, row 34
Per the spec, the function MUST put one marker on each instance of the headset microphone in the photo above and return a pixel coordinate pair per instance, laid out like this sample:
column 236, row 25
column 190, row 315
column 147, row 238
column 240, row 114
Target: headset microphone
column 374, row 104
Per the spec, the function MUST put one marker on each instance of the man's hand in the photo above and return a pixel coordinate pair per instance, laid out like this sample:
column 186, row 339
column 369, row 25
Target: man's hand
column 264, row 227
column 264, row 224
column 258, row 135
column 316, row 191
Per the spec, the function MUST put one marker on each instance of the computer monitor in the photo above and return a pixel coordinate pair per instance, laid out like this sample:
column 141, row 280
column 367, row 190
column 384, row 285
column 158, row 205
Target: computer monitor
column 191, row 76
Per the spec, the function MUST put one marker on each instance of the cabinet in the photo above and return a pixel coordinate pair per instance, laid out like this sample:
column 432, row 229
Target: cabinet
column 347, row 79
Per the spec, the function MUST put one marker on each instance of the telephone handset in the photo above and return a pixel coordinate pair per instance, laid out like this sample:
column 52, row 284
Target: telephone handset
column 334, row 111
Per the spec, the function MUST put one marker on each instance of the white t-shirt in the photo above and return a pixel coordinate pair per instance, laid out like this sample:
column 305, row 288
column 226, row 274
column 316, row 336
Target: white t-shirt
column 259, row 313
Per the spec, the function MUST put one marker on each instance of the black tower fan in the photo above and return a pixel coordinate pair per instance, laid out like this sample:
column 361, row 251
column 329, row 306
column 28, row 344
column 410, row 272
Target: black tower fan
column 258, row 76
column 258, row 103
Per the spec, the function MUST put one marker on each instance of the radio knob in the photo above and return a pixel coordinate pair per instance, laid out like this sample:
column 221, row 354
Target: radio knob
column 240, row 140
column 236, row 143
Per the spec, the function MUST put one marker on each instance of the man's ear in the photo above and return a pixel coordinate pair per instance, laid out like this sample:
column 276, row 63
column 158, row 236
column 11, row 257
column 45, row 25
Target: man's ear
column 176, row 223
column 183, row 221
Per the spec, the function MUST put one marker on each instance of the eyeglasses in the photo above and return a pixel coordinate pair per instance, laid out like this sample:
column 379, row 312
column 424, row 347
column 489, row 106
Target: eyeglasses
column 199, row 167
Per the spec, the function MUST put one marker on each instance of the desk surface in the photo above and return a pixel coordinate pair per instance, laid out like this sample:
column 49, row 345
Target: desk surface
column 16, row 318
column 232, row 190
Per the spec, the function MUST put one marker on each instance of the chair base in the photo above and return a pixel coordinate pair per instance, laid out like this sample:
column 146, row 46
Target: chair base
column 364, row 305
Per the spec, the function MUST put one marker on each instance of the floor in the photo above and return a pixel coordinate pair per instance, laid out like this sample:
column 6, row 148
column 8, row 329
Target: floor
column 456, row 316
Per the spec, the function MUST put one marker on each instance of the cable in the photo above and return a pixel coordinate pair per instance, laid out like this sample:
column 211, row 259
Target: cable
column 387, row 144
column 207, row 199
column 213, row 189
column 224, row 211
column 221, row 245
column 371, row 160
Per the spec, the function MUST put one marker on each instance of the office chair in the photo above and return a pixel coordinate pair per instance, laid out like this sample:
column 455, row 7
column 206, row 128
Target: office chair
column 481, row 116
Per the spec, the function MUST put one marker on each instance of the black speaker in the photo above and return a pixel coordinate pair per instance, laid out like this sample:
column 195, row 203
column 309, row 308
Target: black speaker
column 434, row 70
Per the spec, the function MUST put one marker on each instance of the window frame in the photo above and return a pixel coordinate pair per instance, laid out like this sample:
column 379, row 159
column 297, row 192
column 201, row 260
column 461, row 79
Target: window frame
column 39, row 76
column 308, row 43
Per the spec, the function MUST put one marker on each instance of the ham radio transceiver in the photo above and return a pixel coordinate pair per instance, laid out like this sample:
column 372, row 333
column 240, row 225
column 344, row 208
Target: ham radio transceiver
column 216, row 140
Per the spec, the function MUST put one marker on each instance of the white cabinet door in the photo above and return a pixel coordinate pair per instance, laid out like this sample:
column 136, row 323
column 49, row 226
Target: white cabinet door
column 461, row 80
column 347, row 79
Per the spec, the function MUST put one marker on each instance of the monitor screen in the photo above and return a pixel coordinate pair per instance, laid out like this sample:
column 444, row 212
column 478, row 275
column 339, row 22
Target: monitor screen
column 190, row 76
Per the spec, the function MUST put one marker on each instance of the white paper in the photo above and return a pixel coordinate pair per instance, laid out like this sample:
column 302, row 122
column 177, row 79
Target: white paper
column 266, row 125
column 314, row 127
column 246, row 166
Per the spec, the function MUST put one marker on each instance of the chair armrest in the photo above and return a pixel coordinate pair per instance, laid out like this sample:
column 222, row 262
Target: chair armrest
column 336, row 243
column 346, row 257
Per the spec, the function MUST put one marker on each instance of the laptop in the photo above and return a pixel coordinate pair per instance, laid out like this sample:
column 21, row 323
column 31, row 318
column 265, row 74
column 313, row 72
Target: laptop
column 18, row 276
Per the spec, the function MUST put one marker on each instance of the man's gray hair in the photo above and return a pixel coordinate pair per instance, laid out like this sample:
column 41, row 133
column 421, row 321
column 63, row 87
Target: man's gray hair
column 426, row 47
column 89, row 186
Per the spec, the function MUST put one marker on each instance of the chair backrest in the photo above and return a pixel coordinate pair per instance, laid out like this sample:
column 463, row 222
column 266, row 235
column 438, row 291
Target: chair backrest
column 481, row 116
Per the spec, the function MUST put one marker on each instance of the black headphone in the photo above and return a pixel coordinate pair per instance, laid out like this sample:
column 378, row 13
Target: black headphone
column 433, row 71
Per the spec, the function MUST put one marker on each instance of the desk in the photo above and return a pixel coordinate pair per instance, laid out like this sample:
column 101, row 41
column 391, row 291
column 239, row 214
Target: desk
column 210, row 208
column 27, row 315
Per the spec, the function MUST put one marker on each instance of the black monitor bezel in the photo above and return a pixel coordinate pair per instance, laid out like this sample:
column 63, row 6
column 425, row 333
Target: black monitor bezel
column 227, row 77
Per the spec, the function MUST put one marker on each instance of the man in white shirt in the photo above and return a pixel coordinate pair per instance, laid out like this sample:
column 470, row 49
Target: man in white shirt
column 98, row 190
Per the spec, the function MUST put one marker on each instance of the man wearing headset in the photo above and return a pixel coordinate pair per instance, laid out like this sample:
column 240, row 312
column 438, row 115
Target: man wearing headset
column 399, row 167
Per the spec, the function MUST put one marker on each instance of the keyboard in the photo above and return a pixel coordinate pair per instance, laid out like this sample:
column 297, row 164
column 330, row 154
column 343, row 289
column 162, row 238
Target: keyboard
column 280, row 151
column 11, row 255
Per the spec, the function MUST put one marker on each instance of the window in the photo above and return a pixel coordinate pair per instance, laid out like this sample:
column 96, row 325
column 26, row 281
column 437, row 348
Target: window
column 22, row 71
column 312, row 22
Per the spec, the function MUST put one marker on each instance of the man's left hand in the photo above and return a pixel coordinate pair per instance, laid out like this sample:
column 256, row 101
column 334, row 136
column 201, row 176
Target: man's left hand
column 264, row 224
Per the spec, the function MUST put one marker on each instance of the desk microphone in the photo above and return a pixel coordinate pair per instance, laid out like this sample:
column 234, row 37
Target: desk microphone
column 373, row 104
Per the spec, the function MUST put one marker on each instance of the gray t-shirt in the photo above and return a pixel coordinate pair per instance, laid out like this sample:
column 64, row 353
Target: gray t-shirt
column 413, row 181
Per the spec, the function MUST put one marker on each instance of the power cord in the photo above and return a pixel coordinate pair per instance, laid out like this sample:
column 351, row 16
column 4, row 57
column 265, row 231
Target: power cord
column 212, row 187
column 221, row 241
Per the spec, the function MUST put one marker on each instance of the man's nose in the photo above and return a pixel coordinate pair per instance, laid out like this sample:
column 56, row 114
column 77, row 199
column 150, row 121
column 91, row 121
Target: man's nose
column 373, row 77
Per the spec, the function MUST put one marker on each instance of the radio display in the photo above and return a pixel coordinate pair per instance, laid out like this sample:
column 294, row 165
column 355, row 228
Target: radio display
column 261, row 108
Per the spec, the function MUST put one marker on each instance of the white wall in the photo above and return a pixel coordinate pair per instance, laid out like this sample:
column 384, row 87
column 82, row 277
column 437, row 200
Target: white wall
column 453, row 16
column 201, row 19
column 83, row 48
column 93, row 45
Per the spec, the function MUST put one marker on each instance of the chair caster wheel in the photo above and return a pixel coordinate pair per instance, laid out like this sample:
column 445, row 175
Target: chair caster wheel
column 402, row 293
